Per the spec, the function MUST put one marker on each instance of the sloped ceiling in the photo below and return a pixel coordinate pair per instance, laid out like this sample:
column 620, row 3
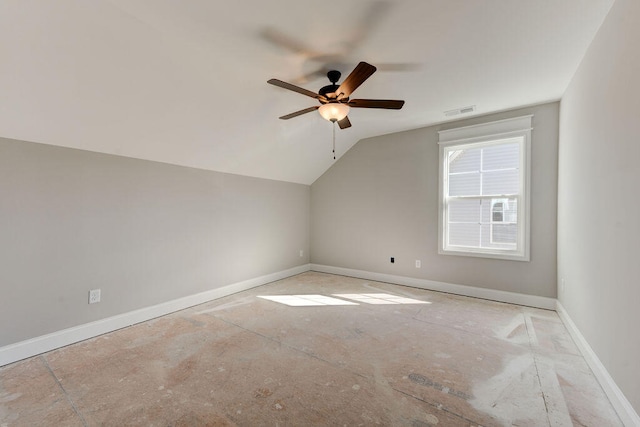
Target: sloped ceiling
column 184, row 81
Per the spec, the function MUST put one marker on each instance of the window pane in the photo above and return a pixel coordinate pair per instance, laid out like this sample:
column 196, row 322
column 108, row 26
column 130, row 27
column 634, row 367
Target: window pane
column 503, row 156
column 499, row 236
column 465, row 228
column 464, row 234
column 464, row 210
column 464, row 160
column 509, row 209
column 467, row 184
column 486, row 210
column 504, row 233
column 501, row 182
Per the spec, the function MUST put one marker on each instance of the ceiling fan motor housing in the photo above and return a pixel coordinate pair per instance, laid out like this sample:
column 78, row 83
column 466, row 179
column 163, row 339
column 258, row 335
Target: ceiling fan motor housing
column 333, row 76
column 329, row 89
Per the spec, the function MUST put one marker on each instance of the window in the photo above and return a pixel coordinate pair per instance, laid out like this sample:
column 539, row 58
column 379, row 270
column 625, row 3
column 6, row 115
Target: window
column 484, row 190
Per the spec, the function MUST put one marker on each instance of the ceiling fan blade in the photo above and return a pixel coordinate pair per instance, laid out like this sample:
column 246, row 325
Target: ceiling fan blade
column 294, row 88
column 299, row 113
column 388, row 104
column 344, row 123
column 365, row 25
column 313, row 75
column 399, row 66
column 280, row 39
column 361, row 73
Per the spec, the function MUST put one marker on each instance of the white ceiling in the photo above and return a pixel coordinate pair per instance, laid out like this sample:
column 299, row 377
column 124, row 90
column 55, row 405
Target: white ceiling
column 184, row 81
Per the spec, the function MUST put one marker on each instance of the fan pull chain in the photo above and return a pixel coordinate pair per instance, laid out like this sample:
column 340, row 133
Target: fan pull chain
column 334, row 140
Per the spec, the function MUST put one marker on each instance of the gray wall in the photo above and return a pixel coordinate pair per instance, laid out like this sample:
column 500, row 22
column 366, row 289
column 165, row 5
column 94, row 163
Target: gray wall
column 143, row 232
column 598, row 200
column 381, row 200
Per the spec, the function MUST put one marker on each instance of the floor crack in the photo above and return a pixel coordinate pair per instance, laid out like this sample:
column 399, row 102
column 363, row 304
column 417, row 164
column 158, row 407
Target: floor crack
column 436, row 406
column 533, row 340
column 64, row 392
column 290, row 347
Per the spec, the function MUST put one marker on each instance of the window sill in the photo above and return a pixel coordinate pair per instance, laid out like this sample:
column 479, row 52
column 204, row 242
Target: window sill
column 502, row 255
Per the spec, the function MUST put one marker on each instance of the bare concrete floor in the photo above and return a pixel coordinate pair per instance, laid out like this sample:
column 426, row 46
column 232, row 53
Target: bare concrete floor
column 408, row 357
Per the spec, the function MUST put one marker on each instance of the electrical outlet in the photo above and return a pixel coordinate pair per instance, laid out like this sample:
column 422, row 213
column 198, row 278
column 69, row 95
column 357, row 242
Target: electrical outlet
column 94, row 296
column 393, row 260
column 301, row 253
column 418, row 263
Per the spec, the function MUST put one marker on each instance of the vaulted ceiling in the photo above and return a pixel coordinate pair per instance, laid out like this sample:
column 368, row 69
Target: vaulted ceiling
column 184, row 81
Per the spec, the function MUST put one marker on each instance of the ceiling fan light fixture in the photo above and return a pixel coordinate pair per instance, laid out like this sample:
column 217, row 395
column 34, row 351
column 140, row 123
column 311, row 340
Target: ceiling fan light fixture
column 334, row 111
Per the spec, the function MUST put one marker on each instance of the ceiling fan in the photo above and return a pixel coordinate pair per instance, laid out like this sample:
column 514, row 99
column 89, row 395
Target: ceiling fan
column 334, row 100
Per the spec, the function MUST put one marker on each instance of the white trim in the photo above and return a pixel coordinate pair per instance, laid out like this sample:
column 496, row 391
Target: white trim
column 620, row 403
column 34, row 346
column 490, row 129
column 482, row 134
column 481, row 139
column 469, row 291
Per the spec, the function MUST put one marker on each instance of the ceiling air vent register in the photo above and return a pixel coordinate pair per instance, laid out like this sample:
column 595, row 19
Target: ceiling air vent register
column 458, row 111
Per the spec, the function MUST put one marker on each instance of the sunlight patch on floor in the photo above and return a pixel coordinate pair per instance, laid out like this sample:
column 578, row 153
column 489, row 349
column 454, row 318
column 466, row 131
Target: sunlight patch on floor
column 306, row 300
column 380, row 299
column 319, row 300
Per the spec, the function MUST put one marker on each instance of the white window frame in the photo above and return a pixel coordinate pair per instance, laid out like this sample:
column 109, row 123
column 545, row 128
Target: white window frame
column 517, row 128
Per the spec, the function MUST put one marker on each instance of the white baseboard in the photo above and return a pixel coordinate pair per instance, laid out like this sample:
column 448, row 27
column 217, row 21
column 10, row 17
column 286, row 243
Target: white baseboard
column 622, row 406
column 34, row 346
column 469, row 291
